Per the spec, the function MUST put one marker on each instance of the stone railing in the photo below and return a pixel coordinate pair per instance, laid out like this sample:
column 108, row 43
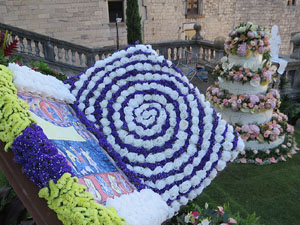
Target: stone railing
column 73, row 57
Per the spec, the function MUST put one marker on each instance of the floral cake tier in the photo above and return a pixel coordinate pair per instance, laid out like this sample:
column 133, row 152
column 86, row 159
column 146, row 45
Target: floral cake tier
column 244, row 98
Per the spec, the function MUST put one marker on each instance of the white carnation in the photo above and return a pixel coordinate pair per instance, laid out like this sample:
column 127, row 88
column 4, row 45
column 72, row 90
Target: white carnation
column 227, row 145
column 226, row 156
column 213, row 174
column 221, row 165
column 185, row 186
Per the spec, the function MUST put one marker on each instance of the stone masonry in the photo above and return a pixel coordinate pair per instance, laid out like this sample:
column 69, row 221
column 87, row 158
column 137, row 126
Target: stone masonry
column 86, row 22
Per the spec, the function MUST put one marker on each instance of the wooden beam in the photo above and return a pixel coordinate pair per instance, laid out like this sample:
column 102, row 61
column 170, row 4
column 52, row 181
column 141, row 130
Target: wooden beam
column 26, row 190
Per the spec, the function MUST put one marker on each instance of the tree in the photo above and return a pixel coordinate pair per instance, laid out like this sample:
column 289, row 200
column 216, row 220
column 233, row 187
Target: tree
column 133, row 22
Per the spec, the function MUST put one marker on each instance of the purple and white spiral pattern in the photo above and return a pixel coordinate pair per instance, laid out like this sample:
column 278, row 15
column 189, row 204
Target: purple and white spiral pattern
column 156, row 126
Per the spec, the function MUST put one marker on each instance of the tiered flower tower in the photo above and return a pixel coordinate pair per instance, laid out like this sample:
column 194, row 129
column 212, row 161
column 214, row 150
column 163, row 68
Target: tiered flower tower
column 243, row 97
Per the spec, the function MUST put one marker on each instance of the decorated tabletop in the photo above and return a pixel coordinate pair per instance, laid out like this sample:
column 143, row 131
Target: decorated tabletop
column 158, row 129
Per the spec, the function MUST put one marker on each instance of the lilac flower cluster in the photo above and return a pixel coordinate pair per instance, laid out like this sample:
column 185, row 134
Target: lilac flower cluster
column 39, row 158
column 156, row 126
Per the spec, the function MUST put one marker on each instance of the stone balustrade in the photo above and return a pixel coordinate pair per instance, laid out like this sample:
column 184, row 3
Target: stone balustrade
column 72, row 58
column 76, row 57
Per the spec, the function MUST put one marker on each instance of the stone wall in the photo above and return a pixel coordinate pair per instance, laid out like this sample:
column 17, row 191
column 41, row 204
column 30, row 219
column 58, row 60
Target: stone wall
column 86, row 22
column 165, row 19
column 78, row 21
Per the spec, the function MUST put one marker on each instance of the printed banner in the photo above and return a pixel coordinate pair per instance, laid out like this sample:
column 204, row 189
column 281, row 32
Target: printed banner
column 88, row 160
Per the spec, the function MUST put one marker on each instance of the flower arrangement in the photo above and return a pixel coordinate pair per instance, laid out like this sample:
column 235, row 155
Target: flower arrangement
column 247, row 39
column 245, row 103
column 156, row 126
column 274, row 155
column 256, row 76
column 42, row 163
column 209, row 216
column 269, row 131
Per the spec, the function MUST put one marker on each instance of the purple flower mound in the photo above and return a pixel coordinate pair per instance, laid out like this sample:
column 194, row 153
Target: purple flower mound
column 39, row 157
column 156, row 126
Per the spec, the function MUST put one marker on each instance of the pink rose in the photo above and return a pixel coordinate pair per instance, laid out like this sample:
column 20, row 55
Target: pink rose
column 255, row 128
column 258, row 160
column 245, row 128
column 273, row 160
column 250, row 105
column 282, row 158
column 232, row 221
column 243, row 160
column 254, row 98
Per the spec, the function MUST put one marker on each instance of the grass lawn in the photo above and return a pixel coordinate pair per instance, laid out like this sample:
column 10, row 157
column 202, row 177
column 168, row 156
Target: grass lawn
column 271, row 191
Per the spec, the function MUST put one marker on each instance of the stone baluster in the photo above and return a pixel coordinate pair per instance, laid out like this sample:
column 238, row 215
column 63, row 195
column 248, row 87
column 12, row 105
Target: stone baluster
column 197, row 55
column 73, row 57
column 164, row 51
column 204, row 55
column 59, row 54
column 211, row 55
column 21, row 44
column 80, row 58
column 172, row 55
column 29, row 48
column 36, row 48
column 90, row 59
column 67, row 58
column 48, row 50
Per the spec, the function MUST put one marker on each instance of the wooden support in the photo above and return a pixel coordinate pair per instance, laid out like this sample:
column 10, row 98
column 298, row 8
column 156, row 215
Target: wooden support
column 26, row 190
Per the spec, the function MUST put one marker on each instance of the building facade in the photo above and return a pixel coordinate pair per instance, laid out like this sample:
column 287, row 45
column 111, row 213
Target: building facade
column 93, row 22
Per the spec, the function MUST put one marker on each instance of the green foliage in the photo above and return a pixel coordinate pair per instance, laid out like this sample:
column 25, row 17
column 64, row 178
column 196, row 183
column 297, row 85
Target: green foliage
column 133, row 22
column 291, row 108
column 44, row 68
